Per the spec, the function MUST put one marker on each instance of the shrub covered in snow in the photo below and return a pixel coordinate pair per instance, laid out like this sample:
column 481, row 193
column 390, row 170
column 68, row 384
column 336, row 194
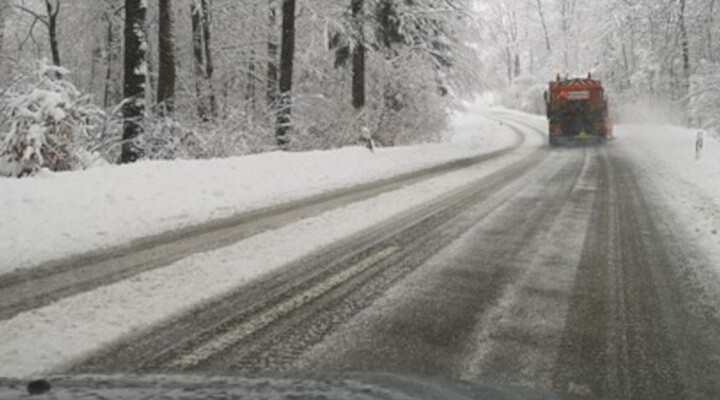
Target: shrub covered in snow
column 45, row 122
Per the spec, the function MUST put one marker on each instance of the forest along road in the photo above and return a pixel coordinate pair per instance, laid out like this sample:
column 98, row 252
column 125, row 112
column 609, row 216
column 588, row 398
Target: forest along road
column 32, row 288
column 552, row 274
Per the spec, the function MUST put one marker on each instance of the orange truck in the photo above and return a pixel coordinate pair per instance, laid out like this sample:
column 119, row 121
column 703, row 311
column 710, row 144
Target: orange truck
column 577, row 111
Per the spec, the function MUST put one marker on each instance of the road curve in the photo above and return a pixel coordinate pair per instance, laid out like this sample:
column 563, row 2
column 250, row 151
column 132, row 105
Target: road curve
column 558, row 273
column 265, row 298
column 31, row 288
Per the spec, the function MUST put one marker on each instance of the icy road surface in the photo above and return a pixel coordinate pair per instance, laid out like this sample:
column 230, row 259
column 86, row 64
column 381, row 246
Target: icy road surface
column 590, row 271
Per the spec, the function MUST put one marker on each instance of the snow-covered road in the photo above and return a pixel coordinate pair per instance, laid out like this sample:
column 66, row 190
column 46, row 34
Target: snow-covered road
column 658, row 162
column 566, row 275
column 88, row 321
column 53, row 216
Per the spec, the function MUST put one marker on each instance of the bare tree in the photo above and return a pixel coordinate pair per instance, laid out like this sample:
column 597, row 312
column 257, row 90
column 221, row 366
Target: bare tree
column 204, row 68
column 567, row 19
column 358, row 81
column 134, row 79
column 199, row 57
column 272, row 53
column 544, row 25
column 112, row 92
column 209, row 66
column 685, row 46
column 252, row 65
column 166, row 78
column 710, row 30
column 287, row 55
column 52, row 14
column 4, row 8
column 50, row 21
column 509, row 28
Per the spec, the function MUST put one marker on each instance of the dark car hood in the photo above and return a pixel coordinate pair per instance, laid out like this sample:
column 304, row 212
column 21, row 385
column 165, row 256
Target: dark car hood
column 316, row 386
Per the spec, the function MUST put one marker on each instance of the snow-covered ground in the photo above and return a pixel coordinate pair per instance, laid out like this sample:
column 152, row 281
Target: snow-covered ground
column 46, row 338
column 57, row 215
column 672, row 150
column 688, row 182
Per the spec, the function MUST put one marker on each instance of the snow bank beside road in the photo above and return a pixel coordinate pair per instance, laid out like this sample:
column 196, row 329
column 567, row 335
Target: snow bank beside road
column 690, row 185
column 673, row 150
column 686, row 192
column 59, row 215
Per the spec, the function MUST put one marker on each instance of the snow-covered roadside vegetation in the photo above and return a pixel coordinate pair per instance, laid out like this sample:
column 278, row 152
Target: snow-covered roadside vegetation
column 658, row 55
column 50, row 125
column 202, row 79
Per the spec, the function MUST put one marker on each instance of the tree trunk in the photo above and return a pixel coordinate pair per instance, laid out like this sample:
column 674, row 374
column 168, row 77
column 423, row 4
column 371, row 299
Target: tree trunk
column 287, row 54
column 250, row 95
column 96, row 61
column 166, row 48
column 199, row 60
column 112, row 94
column 209, row 66
column 544, row 25
column 685, row 44
column 52, row 29
column 566, row 13
column 709, row 24
column 358, row 79
column 251, row 75
column 272, row 67
column 207, row 104
column 509, row 64
column 134, row 79
column 4, row 7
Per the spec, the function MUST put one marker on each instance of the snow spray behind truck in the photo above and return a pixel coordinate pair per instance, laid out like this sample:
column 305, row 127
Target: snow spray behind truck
column 577, row 110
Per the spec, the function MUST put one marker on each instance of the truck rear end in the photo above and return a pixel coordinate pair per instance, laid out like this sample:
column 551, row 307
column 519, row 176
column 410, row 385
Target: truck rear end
column 577, row 111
